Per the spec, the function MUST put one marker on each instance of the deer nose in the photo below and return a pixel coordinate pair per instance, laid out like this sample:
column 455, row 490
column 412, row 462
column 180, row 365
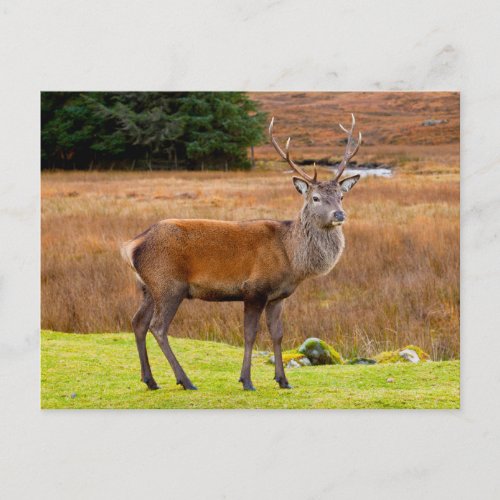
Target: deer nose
column 339, row 215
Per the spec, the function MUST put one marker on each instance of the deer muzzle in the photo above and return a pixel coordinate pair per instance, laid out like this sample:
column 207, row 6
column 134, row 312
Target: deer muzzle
column 338, row 217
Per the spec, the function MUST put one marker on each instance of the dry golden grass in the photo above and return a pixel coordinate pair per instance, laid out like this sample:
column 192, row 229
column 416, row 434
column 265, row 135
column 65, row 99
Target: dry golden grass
column 397, row 283
column 391, row 122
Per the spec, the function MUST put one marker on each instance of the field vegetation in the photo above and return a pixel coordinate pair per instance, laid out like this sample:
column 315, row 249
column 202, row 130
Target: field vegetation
column 396, row 284
column 393, row 124
column 102, row 371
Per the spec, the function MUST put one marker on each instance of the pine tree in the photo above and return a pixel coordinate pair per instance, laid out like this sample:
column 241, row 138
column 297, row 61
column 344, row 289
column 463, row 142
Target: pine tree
column 191, row 129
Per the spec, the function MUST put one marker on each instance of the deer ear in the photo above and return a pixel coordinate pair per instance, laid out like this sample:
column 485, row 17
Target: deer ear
column 348, row 183
column 301, row 185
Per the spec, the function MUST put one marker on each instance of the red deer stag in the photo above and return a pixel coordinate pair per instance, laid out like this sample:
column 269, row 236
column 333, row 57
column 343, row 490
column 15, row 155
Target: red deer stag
column 259, row 262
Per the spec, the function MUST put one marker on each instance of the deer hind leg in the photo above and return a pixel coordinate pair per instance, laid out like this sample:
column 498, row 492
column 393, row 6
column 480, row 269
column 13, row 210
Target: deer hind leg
column 275, row 327
column 164, row 312
column 140, row 324
column 253, row 311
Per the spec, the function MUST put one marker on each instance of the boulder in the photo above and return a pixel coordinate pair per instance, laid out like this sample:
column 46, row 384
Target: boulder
column 361, row 361
column 410, row 353
column 319, row 352
column 260, row 354
column 304, row 361
column 289, row 356
column 430, row 123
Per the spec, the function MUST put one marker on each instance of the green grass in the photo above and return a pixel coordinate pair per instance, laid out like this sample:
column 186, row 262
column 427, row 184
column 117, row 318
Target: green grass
column 102, row 371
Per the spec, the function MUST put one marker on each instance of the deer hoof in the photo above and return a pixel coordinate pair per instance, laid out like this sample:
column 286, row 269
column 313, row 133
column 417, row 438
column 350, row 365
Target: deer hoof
column 247, row 385
column 188, row 386
column 151, row 383
column 283, row 383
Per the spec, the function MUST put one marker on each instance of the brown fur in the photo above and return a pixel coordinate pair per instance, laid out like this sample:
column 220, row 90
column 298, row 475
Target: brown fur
column 252, row 259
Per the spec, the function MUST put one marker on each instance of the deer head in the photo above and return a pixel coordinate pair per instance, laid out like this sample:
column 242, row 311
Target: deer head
column 322, row 200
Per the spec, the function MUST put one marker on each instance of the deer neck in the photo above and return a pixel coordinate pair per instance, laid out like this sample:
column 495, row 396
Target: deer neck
column 313, row 251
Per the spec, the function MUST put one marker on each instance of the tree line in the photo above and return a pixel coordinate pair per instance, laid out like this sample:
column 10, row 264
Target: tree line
column 139, row 130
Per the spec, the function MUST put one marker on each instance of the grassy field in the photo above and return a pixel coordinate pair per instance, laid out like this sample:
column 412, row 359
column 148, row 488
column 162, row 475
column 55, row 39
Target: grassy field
column 102, row 371
column 396, row 284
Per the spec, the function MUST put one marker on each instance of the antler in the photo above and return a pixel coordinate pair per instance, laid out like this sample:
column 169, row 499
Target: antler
column 286, row 156
column 349, row 152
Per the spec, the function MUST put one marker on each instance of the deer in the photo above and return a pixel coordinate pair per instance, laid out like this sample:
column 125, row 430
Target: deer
column 257, row 262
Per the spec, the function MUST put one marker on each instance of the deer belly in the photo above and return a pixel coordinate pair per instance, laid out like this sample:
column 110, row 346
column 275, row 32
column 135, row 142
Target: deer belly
column 245, row 290
column 216, row 292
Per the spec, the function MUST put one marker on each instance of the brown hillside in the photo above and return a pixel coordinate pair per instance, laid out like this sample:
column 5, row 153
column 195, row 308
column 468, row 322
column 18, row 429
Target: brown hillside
column 390, row 121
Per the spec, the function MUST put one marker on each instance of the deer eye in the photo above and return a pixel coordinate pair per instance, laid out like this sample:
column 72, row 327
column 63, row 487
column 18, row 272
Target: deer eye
column 315, row 198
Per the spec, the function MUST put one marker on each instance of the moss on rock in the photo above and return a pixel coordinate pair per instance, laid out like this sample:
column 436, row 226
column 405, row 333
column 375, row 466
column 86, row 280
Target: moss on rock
column 319, row 352
column 316, row 351
column 420, row 353
column 288, row 356
column 360, row 361
column 394, row 356
column 388, row 357
column 293, row 354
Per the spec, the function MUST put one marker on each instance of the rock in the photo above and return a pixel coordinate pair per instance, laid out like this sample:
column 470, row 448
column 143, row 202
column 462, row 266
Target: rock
column 304, row 361
column 187, row 196
column 289, row 356
column 293, row 364
column 361, row 361
column 410, row 355
column 319, row 352
column 73, row 395
column 293, row 354
column 258, row 354
column 430, row 123
column 420, row 352
column 390, row 380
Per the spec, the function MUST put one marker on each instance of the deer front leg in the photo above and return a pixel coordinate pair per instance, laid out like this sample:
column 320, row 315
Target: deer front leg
column 275, row 326
column 253, row 311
